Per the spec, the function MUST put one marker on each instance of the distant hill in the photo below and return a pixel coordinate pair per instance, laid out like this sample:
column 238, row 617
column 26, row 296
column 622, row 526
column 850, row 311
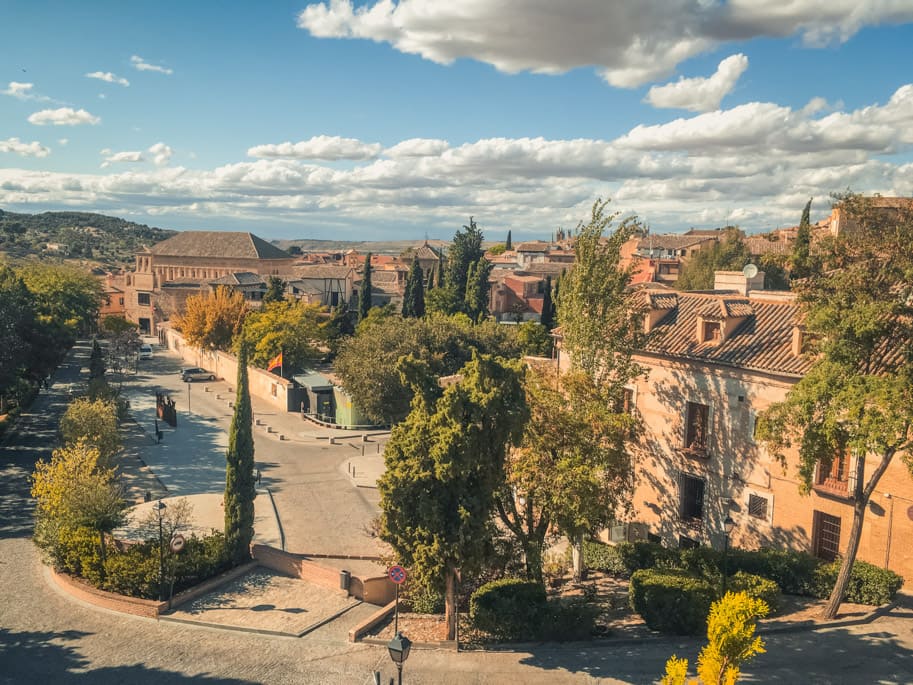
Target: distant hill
column 107, row 240
column 391, row 247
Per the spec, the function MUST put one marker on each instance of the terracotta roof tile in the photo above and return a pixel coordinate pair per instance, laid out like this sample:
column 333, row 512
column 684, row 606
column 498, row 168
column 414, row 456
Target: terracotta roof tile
column 225, row 244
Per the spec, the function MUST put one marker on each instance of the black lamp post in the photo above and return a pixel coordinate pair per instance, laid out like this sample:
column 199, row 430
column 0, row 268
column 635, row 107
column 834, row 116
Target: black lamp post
column 399, row 648
column 728, row 525
column 160, row 507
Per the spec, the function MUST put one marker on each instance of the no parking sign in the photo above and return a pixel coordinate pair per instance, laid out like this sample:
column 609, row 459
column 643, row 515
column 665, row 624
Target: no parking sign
column 397, row 574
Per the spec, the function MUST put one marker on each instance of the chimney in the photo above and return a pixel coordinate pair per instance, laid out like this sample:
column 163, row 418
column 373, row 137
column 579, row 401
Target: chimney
column 738, row 281
column 798, row 342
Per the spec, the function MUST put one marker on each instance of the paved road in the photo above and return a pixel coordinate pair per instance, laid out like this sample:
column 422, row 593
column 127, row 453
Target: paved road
column 47, row 637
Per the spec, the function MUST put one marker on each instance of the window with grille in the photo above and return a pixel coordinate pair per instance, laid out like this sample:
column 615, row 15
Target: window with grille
column 826, row 535
column 758, row 506
column 143, row 299
column 691, row 497
column 696, row 426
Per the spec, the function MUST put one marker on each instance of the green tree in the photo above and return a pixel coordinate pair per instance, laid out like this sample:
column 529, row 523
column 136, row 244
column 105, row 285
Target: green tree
column 74, row 490
column 212, row 321
column 95, row 422
column 477, row 287
column 602, row 327
column 16, row 326
column 498, row 249
column 801, row 262
column 443, row 466
column 66, row 298
column 534, row 339
column 96, row 362
column 442, row 301
column 364, row 295
column 466, row 249
column 856, row 401
column 729, row 253
column 508, row 244
column 239, row 472
column 547, row 318
column 275, row 291
column 414, row 297
column 294, row 328
column 113, row 324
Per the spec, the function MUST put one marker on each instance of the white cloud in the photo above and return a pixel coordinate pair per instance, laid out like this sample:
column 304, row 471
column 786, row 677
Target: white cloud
column 319, row 147
column 24, row 91
column 131, row 157
column 755, row 164
column 142, row 65
column 63, row 116
column 63, row 141
column 700, row 94
column 108, row 77
column 161, row 154
column 629, row 43
column 33, row 149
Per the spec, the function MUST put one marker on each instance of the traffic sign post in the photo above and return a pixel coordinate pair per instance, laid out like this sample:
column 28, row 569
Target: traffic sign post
column 397, row 574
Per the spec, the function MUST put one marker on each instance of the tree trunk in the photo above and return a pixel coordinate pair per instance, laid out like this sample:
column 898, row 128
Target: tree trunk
column 577, row 558
column 532, row 548
column 450, row 614
column 103, row 552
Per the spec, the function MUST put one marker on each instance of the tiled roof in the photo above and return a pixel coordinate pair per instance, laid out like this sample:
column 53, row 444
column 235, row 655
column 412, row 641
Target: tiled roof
column 425, row 252
column 763, row 342
column 546, row 268
column 670, row 241
column 224, row 244
column 662, row 300
column 322, row 271
column 759, row 246
column 737, row 307
column 532, row 246
column 238, row 278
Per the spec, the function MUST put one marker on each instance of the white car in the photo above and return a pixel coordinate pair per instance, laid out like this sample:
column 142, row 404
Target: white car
column 145, row 352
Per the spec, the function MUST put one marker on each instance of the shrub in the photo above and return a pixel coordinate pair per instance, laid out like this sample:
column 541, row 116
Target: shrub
column 671, row 601
column 792, row 571
column 568, row 619
column 703, row 562
column 555, row 566
column 509, row 609
column 134, row 572
column 425, row 600
column 868, row 584
column 643, row 555
column 602, row 557
column 757, row 587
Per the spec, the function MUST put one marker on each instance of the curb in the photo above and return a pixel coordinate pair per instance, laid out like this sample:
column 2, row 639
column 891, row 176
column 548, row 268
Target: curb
column 278, row 520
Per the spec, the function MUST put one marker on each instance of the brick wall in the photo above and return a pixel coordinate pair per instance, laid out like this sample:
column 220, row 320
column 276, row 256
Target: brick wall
column 108, row 600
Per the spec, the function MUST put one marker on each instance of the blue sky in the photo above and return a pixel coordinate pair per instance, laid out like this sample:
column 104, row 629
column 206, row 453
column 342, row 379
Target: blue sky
column 400, row 119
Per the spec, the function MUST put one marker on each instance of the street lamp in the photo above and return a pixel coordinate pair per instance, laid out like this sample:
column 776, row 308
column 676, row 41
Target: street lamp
column 160, row 507
column 728, row 525
column 399, row 648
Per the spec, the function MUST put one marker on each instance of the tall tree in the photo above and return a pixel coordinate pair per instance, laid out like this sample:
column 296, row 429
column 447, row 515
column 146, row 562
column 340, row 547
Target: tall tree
column 444, row 464
column 801, row 259
column 547, row 318
column 508, row 244
column 239, row 471
column 294, row 328
column 414, row 297
column 856, row 401
column 212, row 321
column 275, row 291
column 95, row 422
column 465, row 250
column 16, row 326
column 601, row 324
column 364, row 295
column 67, row 298
column 477, row 287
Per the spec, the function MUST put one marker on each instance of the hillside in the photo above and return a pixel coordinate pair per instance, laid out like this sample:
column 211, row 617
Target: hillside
column 107, row 240
column 391, row 247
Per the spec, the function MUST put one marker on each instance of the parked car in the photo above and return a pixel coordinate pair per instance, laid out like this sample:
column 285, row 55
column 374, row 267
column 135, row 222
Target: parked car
column 195, row 373
column 145, row 352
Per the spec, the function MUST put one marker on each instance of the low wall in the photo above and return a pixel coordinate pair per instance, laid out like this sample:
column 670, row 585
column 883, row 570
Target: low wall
column 147, row 608
column 266, row 386
column 375, row 590
column 211, row 584
column 374, row 619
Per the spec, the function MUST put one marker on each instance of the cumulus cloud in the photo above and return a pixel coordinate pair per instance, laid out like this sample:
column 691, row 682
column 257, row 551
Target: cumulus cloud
column 142, row 65
column 33, row 149
column 700, row 94
column 108, row 77
column 161, row 154
column 131, row 156
column 24, row 91
column 63, row 116
column 319, row 147
column 629, row 43
column 755, row 164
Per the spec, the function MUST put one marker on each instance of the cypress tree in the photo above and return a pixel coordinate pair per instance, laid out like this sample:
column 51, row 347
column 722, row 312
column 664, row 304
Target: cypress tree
column 414, row 298
column 239, row 472
column 440, row 270
column 364, row 297
column 548, row 312
column 802, row 250
column 508, row 245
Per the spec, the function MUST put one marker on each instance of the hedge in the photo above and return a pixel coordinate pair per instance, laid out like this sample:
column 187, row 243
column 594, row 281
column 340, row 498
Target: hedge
column 757, row 587
column 671, row 601
column 868, row 584
column 509, row 609
column 602, row 557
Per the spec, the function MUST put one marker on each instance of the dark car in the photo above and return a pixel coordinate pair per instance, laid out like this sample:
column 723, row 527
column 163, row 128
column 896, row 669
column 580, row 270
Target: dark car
column 195, row 373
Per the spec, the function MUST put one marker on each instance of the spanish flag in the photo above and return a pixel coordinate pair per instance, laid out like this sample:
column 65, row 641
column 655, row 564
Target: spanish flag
column 275, row 362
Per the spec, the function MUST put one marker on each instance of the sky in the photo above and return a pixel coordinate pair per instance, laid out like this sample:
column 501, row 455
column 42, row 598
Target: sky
column 391, row 119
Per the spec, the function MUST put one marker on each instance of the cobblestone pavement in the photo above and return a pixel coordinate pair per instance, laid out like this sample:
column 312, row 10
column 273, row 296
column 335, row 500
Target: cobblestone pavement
column 46, row 637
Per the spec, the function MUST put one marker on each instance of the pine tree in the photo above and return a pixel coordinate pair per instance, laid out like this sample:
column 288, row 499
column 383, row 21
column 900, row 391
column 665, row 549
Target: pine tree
column 508, row 245
column 801, row 260
column 239, row 472
column 364, row 297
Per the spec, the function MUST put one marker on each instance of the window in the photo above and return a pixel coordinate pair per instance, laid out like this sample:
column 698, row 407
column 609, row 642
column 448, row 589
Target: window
column 835, row 477
column 684, row 542
column 753, row 427
column 121, row 301
column 758, row 506
column 690, row 497
column 143, row 299
column 712, row 331
column 826, row 536
column 696, row 426
column 654, row 538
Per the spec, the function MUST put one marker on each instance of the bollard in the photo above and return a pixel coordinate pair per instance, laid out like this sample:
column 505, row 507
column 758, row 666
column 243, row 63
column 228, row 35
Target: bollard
column 362, row 449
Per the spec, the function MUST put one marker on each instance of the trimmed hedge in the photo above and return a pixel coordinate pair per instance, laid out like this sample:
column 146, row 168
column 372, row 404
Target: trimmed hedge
column 757, row 587
column 868, row 584
column 602, row 557
column 509, row 609
column 671, row 601
column 568, row 620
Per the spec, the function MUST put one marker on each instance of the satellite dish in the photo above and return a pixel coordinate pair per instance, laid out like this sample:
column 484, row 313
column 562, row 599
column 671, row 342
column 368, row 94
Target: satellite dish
column 750, row 271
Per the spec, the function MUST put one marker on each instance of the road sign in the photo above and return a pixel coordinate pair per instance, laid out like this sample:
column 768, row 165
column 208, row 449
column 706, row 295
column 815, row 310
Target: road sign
column 177, row 543
column 397, row 574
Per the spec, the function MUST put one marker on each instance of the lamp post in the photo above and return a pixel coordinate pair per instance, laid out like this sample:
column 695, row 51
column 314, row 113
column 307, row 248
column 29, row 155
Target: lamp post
column 399, row 648
column 160, row 507
column 728, row 525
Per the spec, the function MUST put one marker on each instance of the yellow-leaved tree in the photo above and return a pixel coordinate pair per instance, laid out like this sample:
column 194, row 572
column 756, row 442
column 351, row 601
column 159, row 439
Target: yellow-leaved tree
column 731, row 641
column 95, row 422
column 212, row 321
